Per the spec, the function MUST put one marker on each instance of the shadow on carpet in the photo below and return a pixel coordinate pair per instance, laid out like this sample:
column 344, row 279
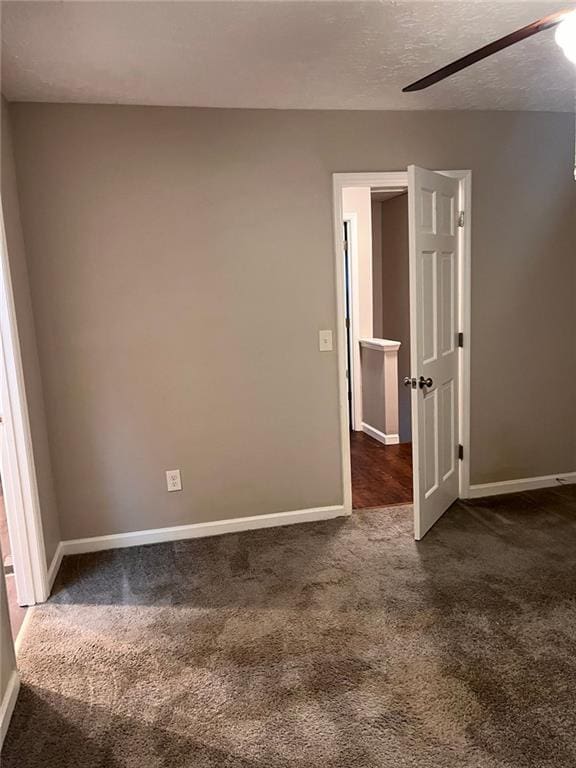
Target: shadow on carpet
column 342, row 644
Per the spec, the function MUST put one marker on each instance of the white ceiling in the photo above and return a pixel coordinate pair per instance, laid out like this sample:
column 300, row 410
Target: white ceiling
column 306, row 54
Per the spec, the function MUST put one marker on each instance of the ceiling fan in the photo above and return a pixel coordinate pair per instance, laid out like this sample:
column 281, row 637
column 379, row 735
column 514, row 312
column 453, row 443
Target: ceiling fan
column 565, row 21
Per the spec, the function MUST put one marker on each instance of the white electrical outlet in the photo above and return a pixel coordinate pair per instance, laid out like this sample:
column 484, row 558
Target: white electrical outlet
column 173, row 481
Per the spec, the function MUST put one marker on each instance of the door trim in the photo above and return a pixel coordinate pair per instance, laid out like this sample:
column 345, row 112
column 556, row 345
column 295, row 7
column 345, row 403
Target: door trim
column 391, row 180
column 355, row 370
column 18, row 469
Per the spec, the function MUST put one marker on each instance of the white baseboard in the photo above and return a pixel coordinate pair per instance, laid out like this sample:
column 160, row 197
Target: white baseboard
column 8, row 704
column 55, row 565
column 199, row 530
column 524, row 484
column 380, row 436
column 23, row 629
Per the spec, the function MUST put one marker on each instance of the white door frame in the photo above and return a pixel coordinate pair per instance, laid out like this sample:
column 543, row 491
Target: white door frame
column 354, row 278
column 391, row 180
column 19, row 483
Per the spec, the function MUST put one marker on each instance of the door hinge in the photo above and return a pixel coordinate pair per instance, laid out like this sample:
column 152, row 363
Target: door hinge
column 460, row 339
column 460, row 218
column 345, row 244
column 461, row 452
column 347, row 322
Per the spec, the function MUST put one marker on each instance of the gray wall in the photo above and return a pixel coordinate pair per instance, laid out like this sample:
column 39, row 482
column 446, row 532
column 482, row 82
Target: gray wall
column 181, row 265
column 27, row 335
column 395, row 295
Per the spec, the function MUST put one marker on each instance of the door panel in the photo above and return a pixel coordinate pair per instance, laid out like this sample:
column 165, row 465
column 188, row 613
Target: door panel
column 446, row 214
column 427, row 293
column 448, row 306
column 429, row 429
column 433, row 210
column 447, row 448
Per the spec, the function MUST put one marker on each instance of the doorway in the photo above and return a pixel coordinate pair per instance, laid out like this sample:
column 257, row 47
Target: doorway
column 403, row 299
column 379, row 412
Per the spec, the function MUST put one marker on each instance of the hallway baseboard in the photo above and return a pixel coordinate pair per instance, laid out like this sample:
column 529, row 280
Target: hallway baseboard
column 380, row 436
column 199, row 530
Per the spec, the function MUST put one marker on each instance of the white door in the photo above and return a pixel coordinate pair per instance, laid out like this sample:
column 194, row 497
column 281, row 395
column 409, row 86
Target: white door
column 433, row 223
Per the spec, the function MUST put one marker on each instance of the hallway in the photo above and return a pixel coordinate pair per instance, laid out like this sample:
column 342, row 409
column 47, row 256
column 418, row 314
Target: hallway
column 381, row 474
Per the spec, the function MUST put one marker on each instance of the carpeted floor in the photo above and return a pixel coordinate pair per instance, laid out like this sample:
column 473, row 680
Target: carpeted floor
column 342, row 644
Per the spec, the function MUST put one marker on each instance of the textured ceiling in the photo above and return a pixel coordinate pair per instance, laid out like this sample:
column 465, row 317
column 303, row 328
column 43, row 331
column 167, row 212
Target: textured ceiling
column 280, row 54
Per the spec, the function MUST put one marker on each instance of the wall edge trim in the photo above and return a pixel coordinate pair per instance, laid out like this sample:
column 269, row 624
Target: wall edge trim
column 200, row 530
column 522, row 484
column 23, row 629
column 55, row 565
column 8, row 704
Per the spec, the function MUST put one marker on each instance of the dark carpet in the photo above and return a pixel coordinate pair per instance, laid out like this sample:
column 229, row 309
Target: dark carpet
column 341, row 644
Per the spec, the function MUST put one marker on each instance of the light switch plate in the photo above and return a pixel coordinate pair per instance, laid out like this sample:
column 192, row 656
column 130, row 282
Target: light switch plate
column 325, row 341
column 173, row 480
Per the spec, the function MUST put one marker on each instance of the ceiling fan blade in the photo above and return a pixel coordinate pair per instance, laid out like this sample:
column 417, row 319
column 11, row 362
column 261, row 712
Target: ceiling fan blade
column 547, row 22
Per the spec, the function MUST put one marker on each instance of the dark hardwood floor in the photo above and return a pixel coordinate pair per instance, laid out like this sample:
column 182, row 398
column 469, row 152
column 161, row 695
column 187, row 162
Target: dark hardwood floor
column 381, row 474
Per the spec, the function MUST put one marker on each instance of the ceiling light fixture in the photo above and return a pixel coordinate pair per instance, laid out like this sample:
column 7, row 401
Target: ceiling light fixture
column 566, row 36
